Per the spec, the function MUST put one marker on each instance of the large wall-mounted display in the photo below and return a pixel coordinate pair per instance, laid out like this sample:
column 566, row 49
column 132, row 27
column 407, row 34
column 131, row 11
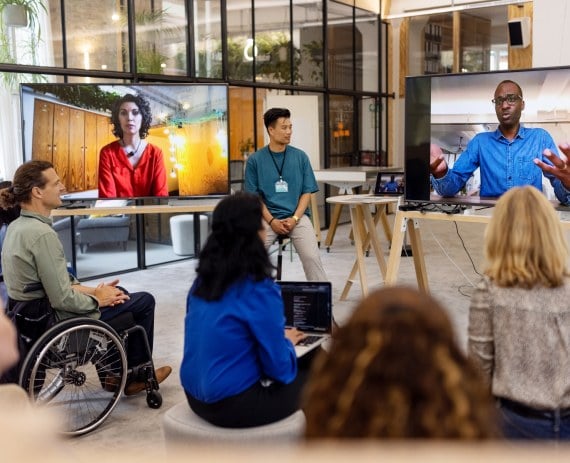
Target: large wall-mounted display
column 449, row 110
column 68, row 124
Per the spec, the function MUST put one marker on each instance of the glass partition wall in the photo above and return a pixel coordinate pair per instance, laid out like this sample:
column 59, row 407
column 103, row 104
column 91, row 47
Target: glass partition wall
column 261, row 48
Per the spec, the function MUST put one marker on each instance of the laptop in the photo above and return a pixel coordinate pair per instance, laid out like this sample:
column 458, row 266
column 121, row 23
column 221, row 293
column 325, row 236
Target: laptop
column 308, row 307
column 389, row 184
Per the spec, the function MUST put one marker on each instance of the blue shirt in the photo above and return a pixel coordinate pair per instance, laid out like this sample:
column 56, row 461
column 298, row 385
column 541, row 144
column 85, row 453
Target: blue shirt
column 504, row 164
column 232, row 343
column 262, row 172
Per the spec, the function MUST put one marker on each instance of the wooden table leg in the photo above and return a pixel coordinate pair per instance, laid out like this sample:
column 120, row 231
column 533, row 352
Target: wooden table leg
column 334, row 223
column 418, row 255
column 385, row 223
column 360, row 244
column 316, row 217
column 400, row 224
column 372, row 236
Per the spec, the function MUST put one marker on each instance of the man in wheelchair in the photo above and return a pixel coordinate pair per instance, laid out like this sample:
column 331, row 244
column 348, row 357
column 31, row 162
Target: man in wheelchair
column 35, row 273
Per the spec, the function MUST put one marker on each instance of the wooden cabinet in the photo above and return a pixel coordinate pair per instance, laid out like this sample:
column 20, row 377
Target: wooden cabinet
column 70, row 138
column 457, row 42
column 438, row 44
column 475, row 44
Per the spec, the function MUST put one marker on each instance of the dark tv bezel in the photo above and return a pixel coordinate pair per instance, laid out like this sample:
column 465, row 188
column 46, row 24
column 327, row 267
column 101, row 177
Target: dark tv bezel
column 86, row 201
column 417, row 123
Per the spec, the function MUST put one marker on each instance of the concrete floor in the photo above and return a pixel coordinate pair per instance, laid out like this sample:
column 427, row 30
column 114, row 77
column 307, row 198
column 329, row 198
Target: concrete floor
column 452, row 254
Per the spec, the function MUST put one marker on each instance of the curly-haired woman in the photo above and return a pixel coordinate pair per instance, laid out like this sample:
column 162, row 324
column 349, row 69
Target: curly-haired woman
column 130, row 166
column 395, row 371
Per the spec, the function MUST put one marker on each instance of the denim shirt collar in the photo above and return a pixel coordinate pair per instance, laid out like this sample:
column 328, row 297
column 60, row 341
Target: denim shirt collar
column 520, row 134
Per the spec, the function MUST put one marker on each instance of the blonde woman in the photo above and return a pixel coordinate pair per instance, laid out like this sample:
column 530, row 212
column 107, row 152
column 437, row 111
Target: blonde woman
column 519, row 319
column 395, row 371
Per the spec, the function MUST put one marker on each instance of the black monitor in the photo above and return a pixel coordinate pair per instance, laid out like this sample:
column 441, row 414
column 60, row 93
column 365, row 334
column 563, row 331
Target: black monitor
column 450, row 109
column 68, row 124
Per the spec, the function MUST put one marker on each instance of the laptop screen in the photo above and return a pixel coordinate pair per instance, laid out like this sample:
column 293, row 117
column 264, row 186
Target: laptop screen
column 308, row 305
column 389, row 184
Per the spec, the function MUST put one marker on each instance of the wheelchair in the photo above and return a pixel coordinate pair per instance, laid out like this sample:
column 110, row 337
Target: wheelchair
column 78, row 366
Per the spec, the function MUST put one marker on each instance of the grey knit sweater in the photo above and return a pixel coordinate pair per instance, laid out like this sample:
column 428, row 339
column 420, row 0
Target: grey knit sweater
column 521, row 340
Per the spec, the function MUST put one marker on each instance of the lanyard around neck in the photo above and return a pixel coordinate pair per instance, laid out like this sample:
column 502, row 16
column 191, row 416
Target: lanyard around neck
column 279, row 170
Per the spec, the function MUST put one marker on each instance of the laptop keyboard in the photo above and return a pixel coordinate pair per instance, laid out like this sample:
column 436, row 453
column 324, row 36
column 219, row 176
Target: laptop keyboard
column 307, row 341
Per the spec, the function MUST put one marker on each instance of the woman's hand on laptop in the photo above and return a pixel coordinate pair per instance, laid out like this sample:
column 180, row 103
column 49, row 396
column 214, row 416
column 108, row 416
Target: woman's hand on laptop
column 294, row 335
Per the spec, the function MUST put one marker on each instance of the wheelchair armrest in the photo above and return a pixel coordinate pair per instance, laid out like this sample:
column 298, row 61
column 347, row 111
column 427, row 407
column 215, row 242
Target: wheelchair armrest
column 32, row 287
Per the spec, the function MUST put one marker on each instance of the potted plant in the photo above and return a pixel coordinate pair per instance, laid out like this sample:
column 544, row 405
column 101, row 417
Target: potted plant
column 20, row 14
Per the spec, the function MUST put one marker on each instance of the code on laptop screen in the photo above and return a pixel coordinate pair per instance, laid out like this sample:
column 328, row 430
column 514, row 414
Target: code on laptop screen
column 307, row 305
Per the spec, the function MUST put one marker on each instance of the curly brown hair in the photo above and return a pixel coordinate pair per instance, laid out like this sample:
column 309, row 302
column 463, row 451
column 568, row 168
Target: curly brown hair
column 395, row 371
column 144, row 108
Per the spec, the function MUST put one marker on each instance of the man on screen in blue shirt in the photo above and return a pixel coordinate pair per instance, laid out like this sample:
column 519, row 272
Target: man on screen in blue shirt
column 512, row 155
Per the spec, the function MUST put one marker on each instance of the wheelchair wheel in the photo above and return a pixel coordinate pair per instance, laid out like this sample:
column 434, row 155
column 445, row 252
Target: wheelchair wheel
column 78, row 368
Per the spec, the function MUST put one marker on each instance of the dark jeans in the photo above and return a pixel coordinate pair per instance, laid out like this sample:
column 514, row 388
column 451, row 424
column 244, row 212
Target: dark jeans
column 141, row 306
column 258, row 405
column 522, row 422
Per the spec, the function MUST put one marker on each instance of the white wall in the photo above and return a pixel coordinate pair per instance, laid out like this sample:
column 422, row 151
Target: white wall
column 551, row 33
column 305, row 119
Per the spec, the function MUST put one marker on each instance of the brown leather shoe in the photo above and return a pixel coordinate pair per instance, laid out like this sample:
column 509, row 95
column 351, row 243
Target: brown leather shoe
column 135, row 387
column 111, row 382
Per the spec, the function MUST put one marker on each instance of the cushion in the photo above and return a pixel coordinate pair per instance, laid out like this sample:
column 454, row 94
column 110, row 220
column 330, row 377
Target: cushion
column 182, row 425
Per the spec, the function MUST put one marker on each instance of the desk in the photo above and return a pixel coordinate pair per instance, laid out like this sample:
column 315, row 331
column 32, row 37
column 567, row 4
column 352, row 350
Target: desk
column 365, row 235
column 346, row 179
column 409, row 221
column 194, row 207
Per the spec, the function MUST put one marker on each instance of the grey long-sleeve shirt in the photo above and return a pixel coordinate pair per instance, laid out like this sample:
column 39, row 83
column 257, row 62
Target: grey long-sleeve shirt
column 32, row 253
column 521, row 340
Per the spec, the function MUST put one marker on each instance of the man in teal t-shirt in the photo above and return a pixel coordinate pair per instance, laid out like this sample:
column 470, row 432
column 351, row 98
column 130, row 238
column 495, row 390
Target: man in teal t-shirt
column 282, row 176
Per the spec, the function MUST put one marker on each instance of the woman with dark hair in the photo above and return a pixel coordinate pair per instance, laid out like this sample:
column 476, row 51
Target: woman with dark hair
column 395, row 371
column 130, row 166
column 239, row 367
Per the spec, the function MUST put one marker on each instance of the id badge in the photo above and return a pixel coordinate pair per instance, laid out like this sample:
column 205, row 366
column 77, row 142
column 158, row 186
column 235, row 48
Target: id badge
column 281, row 186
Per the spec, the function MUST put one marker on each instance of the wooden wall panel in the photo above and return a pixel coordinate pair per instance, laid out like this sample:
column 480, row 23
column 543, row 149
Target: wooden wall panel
column 42, row 148
column 76, row 178
column 90, row 151
column 71, row 139
column 520, row 58
column 241, row 120
column 390, row 89
column 404, row 45
column 61, row 143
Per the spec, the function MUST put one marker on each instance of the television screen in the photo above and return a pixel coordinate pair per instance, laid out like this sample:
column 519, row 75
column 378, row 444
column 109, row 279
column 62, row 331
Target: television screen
column 450, row 109
column 69, row 124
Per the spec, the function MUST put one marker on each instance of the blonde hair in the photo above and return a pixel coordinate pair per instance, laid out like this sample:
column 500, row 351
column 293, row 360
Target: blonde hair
column 395, row 371
column 525, row 244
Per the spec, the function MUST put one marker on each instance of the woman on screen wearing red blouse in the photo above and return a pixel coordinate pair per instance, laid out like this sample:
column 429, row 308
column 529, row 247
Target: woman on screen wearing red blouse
column 130, row 166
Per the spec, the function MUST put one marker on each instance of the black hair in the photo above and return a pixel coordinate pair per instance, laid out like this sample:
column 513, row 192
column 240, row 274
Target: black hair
column 234, row 250
column 144, row 108
column 508, row 81
column 10, row 213
column 271, row 115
